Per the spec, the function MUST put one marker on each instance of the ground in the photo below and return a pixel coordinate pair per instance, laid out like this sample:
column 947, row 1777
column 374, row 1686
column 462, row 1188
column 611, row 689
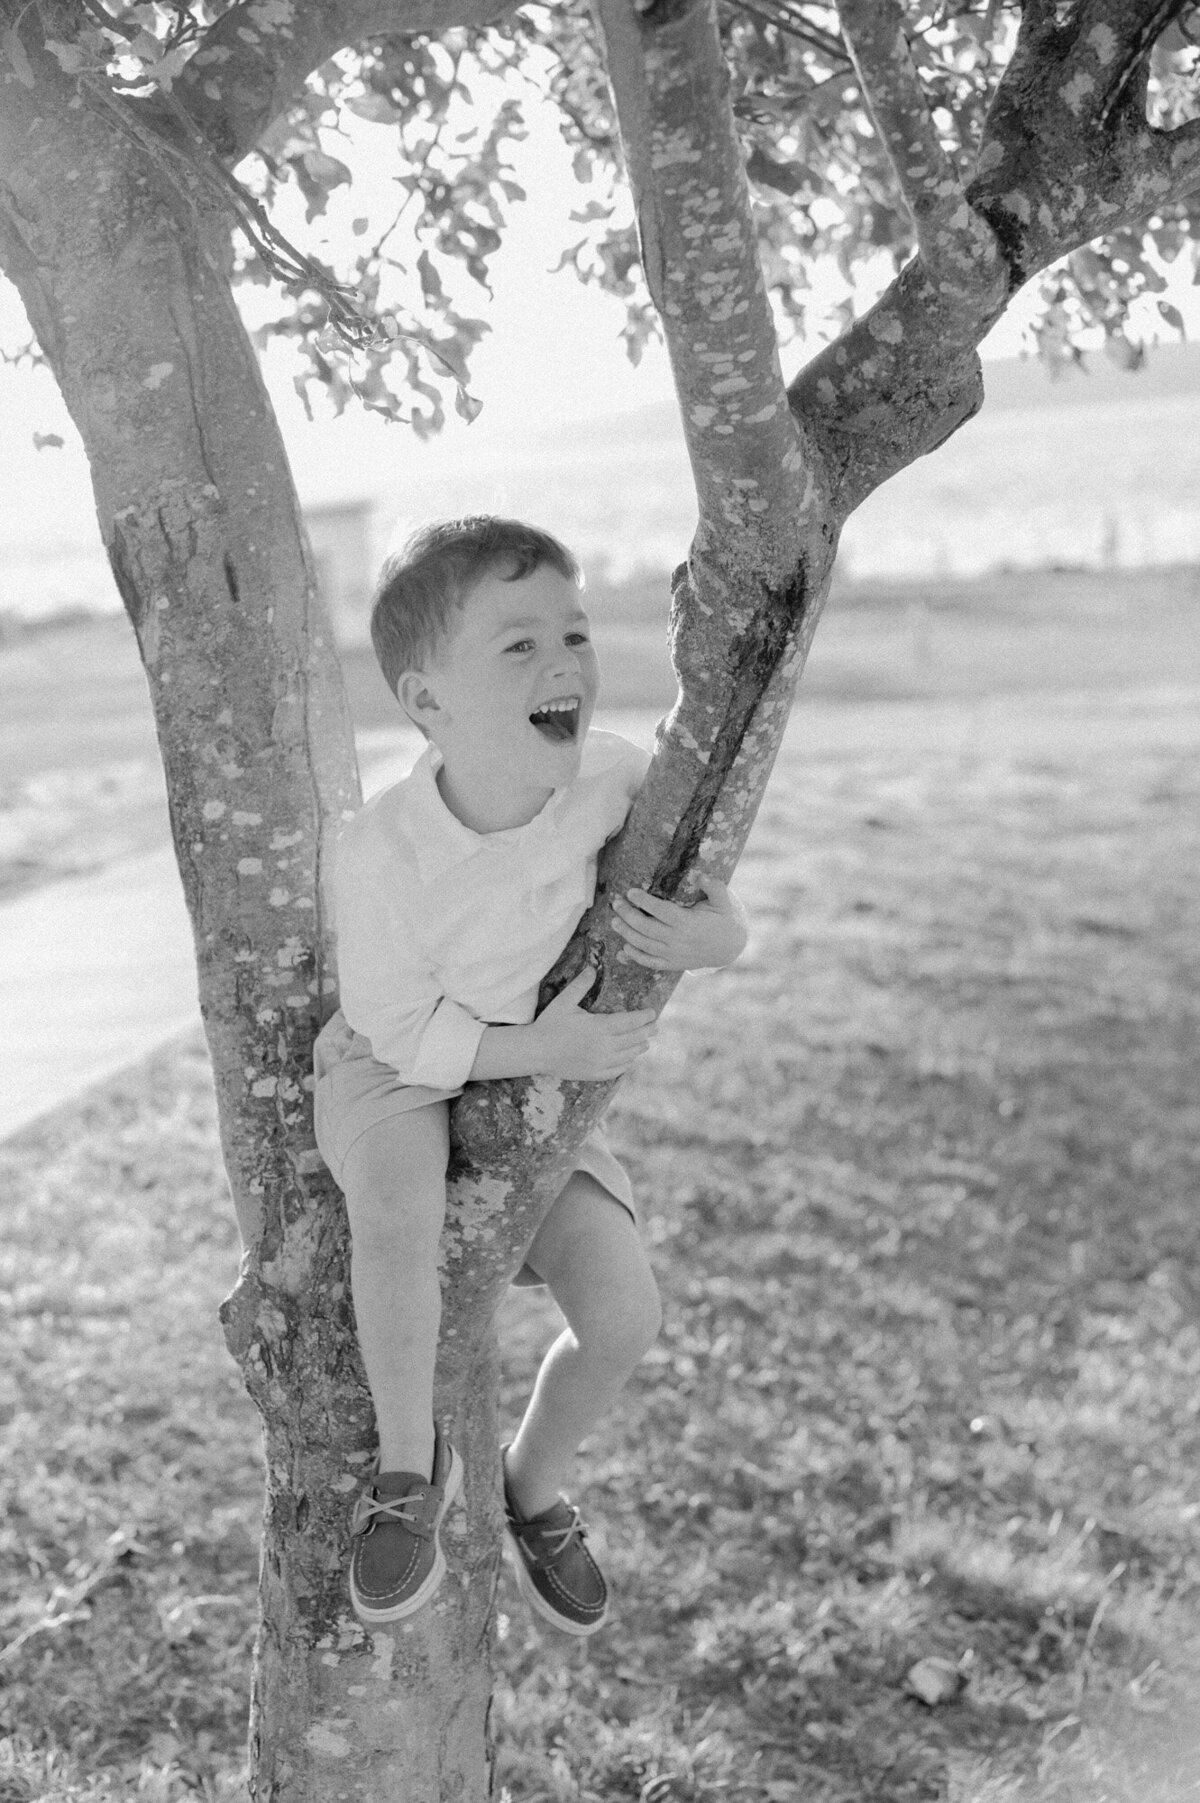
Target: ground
column 920, row 1179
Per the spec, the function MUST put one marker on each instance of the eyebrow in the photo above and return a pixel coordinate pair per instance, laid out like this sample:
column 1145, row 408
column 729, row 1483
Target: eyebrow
column 525, row 620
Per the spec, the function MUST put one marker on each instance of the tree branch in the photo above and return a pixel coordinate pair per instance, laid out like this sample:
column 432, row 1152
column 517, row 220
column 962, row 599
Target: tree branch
column 257, row 56
column 958, row 246
column 1129, row 78
column 900, row 382
column 1058, row 165
column 774, row 12
column 1067, row 152
column 751, row 466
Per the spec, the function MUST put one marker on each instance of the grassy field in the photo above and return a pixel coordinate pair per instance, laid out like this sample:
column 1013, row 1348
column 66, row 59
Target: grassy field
column 920, row 1177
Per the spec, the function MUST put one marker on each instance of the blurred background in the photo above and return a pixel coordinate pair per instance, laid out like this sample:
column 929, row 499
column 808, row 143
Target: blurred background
column 1051, row 548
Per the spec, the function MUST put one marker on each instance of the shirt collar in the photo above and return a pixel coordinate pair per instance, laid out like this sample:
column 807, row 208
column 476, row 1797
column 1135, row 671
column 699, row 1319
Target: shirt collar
column 440, row 840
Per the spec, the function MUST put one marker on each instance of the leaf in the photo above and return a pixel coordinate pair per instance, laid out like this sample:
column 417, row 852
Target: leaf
column 168, row 67
column 317, row 175
column 1124, row 352
column 572, row 252
column 14, row 50
column 431, row 282
column 467, row 406
column 42, row 440
column 326, row 169
column 69, row 57
column 375, row 107
column 784, row 178
column 1173, row 317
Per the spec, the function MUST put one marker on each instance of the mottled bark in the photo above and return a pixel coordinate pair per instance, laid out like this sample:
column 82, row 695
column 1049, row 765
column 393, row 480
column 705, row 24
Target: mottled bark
column 745, row 605
column 127, row 288
column 1066, row 155
column 958, row 248
column 132, row 306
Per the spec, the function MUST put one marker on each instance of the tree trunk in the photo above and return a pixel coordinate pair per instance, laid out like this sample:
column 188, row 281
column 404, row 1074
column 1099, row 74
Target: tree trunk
column 132, row 306
column 125, row 279
column 124, row 273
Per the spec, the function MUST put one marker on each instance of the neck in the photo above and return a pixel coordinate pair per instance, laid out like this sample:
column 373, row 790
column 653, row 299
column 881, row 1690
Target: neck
column 486, row 805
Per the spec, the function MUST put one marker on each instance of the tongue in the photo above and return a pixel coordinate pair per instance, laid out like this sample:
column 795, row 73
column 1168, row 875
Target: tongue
column 556, row 727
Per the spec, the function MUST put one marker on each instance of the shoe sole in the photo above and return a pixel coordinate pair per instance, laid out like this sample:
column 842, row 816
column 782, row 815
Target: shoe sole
column 538, row 1603
column 372, row 1617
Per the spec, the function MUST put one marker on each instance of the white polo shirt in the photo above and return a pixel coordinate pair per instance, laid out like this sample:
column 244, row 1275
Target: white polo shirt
column 442, row 931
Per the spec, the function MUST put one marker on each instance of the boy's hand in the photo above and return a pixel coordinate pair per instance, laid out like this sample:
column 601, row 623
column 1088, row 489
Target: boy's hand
column 589, row 1047
column 664, row 936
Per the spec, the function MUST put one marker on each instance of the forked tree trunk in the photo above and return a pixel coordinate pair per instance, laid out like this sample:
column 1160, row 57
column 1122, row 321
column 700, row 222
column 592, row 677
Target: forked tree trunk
column 127, row 288
column 125, row 281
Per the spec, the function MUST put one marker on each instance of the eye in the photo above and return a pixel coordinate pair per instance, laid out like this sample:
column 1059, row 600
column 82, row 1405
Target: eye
column 578, row 638
column 520, row 645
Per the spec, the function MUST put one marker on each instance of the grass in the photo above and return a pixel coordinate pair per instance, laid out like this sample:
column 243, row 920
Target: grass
column 920, row 1179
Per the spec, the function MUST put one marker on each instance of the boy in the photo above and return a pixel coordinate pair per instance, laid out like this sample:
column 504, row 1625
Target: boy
column 455, row 891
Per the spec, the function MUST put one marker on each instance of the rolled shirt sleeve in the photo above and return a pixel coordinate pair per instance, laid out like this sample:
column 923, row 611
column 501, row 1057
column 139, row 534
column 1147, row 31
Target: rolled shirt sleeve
column 389, row 991
column 446, row 1047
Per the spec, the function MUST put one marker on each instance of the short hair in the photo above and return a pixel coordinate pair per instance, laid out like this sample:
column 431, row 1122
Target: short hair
column 421, row 586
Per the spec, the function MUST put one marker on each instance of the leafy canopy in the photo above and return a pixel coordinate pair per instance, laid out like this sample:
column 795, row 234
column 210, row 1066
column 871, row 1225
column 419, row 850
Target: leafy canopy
column 390, row 314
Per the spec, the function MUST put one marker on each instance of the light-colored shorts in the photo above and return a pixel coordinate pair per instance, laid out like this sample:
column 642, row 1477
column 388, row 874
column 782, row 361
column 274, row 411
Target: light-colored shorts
column 354, row 1092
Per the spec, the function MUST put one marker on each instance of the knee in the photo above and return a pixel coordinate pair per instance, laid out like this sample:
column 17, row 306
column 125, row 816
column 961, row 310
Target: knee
column 395, row 1197
column 624, row 1323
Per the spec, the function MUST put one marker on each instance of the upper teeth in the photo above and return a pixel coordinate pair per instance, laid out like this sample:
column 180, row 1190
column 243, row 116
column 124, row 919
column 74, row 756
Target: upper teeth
column 560, row 707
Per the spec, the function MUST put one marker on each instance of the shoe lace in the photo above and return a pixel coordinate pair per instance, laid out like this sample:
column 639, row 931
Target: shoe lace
column 388, row 1508
column 554, row 1541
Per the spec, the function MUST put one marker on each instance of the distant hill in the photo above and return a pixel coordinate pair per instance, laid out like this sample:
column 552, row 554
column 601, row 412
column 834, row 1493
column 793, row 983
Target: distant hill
column 1170, row 370
column 1099, row 467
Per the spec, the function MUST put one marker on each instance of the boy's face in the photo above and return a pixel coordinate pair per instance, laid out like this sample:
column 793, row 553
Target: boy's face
column 509, row 697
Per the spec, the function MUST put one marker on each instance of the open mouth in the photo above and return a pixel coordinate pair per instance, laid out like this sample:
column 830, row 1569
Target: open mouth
column 558, row 721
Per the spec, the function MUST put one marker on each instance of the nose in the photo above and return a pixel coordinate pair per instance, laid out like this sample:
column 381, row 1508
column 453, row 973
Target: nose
column 565, row 662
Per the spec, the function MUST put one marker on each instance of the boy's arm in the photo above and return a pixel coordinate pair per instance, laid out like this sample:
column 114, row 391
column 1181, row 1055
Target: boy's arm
column 389, row 991
column 662, row 935
column 566, row 1041
column 391, row 995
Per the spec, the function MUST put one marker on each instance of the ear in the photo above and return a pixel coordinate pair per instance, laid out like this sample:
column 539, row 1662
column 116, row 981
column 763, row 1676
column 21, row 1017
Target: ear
column 418, row 699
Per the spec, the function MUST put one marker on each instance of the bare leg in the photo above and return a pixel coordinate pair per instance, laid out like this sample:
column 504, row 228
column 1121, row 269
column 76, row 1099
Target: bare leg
column 589, row 1253
column 394, row 1180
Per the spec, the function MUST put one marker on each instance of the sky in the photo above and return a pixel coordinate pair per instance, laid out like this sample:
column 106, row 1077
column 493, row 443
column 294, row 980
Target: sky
column 553, row 357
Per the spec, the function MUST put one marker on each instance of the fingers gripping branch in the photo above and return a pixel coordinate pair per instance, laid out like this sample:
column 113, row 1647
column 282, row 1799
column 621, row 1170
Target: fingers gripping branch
column 958, row 246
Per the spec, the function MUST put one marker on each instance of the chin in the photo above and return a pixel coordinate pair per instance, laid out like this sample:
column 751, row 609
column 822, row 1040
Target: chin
column 567, row 757
column 561, row 750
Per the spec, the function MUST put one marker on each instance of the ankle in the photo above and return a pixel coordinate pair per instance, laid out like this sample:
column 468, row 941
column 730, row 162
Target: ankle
column 407, row 1450
column 532, row 1491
